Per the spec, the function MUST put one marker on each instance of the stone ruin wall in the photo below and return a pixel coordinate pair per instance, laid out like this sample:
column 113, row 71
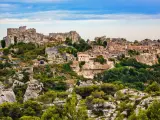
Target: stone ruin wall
column 22, row 34
column 62, row 36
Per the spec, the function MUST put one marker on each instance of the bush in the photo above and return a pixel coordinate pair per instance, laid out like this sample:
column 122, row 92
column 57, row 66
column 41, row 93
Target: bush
column 32, row 108
column 154, row 87
column 82, row 46
column 133, row 62
column 81, row 64
column 6, row 51
column 109, row 88
column 3, row 43
column 19, row 92
column 68, row 41
column 86, row 91
column 11, row 110
column 100, row 59
column 29, row 118
column 48, row 97
column 133, row 52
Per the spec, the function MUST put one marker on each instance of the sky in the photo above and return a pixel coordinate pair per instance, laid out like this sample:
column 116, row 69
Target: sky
column 130, row 19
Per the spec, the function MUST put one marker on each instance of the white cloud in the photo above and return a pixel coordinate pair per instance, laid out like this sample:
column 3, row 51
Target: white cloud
column 130, row 26
column 73, row 15
column 7, row 7
column 130, row 29
column 33, row 1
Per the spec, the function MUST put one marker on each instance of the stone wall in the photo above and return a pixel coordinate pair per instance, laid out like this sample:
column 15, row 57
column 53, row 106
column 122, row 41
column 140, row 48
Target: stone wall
column 62, row 36
column 21, row 34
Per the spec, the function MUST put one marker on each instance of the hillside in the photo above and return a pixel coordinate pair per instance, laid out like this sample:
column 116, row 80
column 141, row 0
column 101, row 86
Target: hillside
column 65, row 79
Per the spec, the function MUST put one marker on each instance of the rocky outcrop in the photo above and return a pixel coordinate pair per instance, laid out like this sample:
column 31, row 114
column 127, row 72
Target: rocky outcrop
column 6, row 95
column 54, row 56
column 90, row 68
column 144, row 104
column 33, row 89
column 17, row 83
column 147, row 58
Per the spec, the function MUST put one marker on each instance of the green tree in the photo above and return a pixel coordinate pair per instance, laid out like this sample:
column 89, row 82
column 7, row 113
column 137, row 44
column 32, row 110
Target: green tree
column 67, row 112
column 32, row 108
column 3, row 43
column 6, row 51
column 29, row 118
column 153, row 112
column 100, row 59
column 54, row 113
column 11, row 110
column 142, row 115
column 154, row 87
column 68, row 41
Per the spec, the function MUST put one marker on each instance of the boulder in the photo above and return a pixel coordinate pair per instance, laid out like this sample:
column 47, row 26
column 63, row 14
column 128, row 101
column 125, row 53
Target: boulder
column 6, row 95
column 33, row 89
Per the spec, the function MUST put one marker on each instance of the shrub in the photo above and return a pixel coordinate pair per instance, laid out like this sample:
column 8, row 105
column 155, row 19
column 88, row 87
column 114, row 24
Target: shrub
column 6, row 51
column 3, row 43
column 100, row 59
column 81, row 64
column 11, row 110
column 154, row 87
column 133, row 52
column 48, row 97
column 19, row 92
column 109, row 88
column 29, row 118
column 86, row 91
column 32, row 108
column 68, row 41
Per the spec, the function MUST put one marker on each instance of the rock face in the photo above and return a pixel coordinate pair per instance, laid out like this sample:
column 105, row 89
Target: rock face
column 7, row 95
column 73, row 35
column 54, row 56
column 90, row 68
column 33, row 89
column 147, row 58
column 144, row 104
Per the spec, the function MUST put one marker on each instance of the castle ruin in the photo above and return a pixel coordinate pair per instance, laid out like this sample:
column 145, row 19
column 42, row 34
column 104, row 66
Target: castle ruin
column 21, row 34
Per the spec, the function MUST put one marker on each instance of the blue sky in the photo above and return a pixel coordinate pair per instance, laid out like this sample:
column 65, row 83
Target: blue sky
column 132, row 19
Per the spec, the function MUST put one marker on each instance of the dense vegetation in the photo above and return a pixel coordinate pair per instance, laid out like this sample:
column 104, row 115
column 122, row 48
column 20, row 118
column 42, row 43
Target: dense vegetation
column 55, row 78
column 131, row 73
column 26, row 51
column 152, row 113
column 101, row 43
column 81, row 46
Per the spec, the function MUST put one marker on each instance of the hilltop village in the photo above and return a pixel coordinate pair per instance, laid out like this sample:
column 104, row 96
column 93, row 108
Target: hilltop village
column 115, row 47
column 104, row 78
